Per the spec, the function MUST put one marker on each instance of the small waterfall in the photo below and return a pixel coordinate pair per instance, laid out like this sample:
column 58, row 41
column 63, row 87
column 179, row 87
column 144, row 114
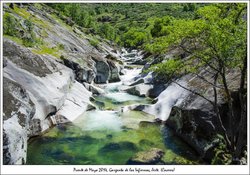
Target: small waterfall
column 172, row 95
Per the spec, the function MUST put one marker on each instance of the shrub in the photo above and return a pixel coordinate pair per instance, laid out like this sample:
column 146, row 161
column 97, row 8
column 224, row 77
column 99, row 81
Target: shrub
column 9, row 25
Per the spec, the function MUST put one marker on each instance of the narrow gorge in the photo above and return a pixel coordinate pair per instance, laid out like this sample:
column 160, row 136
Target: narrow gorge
column 73, row 97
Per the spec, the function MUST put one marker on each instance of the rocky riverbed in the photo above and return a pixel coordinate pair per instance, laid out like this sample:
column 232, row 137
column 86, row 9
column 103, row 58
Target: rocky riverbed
column 70, row 100
column 112, row 134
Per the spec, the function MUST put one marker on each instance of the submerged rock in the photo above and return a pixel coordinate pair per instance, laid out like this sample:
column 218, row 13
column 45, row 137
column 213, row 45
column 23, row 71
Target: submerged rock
column 149, row 157
column 111, row 147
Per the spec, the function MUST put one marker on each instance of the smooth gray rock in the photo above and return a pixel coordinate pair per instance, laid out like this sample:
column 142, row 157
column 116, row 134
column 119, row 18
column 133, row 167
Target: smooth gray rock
column 102, row 72
column 18, row 110
column 36, row 90
column 114, row 72
column 141, row 90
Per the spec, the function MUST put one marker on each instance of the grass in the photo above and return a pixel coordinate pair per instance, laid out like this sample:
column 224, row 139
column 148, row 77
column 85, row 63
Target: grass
column 15, row 39
column 94, row 42
column 26, row 15
column 44, row 49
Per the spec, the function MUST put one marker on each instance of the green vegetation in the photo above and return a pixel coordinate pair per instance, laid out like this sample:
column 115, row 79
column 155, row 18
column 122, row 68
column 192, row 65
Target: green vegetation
column 216, row 42
column 94, row 42
column 212, row 37
column 45, row 49
column 22, row 33
column 127, row 24
column 222, row 155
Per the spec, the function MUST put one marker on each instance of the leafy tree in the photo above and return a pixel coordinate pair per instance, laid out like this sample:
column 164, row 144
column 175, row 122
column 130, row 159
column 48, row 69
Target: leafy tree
column 135, row 37
column 29, row 39
column 217, row 40
column 107, row 31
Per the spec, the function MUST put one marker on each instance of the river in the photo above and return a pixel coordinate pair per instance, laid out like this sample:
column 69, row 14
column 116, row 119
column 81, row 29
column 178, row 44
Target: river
column 109, row 135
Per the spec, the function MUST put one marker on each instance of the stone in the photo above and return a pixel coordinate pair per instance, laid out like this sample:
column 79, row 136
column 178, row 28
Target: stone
column 102, row 72
column 150, row 157
column 139, row 90
column 38, row 87
column 114, row 72
column 4, row 62
column 139, row 81
column 18, row 110
column 156, row 90
column 124, row 145
column 94, row 89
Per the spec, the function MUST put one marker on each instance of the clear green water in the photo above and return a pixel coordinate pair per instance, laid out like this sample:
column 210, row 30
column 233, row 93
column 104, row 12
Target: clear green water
column 107, row 137
column 69, row 144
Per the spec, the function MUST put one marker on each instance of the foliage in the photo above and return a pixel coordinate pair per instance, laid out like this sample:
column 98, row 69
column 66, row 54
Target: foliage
column 215, row 40
column 135, row 37
column 29, row 39
column 94, row 42
column 9, row 25
column 222, row 156
column 169, row 68
column 117, row 20
column 12, row 27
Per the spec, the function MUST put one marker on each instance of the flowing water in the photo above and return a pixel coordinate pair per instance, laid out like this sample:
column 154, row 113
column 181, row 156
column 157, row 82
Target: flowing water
column 108, row 135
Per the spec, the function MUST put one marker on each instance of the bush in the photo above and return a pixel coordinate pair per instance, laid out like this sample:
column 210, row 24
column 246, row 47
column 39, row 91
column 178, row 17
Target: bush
column 94, row 42
column 10, row 25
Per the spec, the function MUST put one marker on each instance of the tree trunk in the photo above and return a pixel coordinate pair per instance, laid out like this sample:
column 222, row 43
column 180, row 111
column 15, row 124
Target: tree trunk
column 242, row 134
column 217, row 112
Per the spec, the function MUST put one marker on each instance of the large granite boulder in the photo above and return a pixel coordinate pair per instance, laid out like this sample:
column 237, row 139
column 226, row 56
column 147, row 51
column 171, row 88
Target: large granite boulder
column 102, row 71
column 18, row 110
column 114, row 72
column 194, row 118
column 39, row 93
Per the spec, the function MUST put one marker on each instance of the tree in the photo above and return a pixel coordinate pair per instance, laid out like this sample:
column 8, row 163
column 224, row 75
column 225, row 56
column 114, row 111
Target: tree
column 135, row 37
column 216, row 41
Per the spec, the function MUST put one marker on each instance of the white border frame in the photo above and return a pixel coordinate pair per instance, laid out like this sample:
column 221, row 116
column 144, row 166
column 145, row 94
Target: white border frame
column 177, row 169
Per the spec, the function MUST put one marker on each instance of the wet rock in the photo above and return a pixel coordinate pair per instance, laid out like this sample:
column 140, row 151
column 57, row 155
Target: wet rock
column 100, row 103
column 94, row 89
column 103, row 72
column 139, row 90
column 150, row 157
column 156, row 90
column 91, row 107
column 114, row 72
column 145, row 124
column 139, row 81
